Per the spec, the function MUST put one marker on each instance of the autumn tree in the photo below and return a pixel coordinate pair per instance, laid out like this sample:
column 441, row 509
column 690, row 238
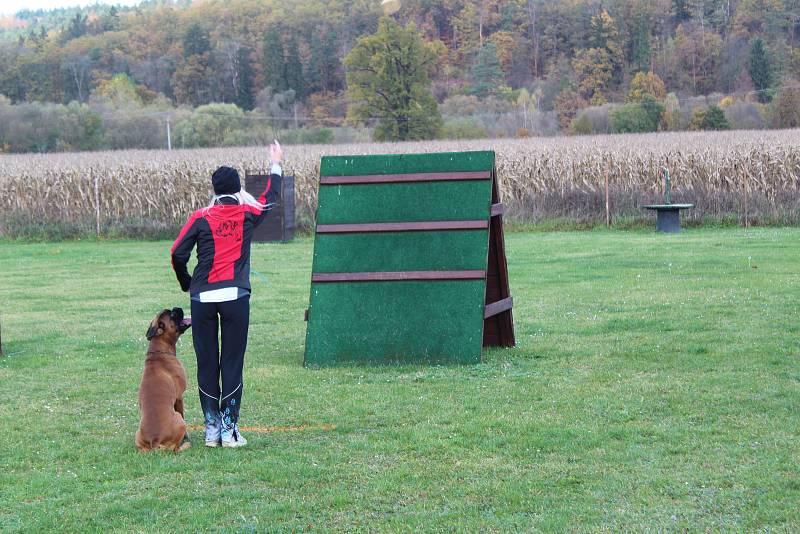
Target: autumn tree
column 672, row 117
column 786, row 110
column 77, row 66
column 506, row 48
column 190, row 80
column 466, row 37
column 604, row 35
column 646, row 84
column 209, row 125
column 196, row 52
column 388, row 79
column 567, row 105
column 594, row 70
column 698, row 50
column 759, row 17
column 120, row 91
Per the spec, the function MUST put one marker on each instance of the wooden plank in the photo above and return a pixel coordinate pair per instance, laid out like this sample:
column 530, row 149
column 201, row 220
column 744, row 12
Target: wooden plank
column 498, row 307
column 407, row 163
column 498, row 209
column 404, row 178
column 401, row 227
column 398, row 275
column 499, row 328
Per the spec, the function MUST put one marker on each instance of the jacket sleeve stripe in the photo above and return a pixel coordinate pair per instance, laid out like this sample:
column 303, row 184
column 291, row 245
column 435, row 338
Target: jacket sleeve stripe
column 263, row 198
column 268, row 197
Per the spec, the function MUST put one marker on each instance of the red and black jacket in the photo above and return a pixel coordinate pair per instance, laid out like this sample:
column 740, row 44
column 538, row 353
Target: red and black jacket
column 222, row 233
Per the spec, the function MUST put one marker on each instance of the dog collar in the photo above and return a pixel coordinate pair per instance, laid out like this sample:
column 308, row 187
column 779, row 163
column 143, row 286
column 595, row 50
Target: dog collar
column 161, row 352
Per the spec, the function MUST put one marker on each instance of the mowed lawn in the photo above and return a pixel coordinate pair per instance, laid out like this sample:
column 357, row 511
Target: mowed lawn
column 655, row 387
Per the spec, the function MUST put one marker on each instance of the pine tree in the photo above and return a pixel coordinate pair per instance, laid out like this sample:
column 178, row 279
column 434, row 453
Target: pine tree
column 331, row 68
column 77, row 27
column 711, row 119
column 195, row 41
column 110, row 21
column 244, row 86
column 313, row 74
column 640, row 48
column 322, row 70
column 760, row 69
column 274, row 59
column 487, row 75
column 681, row 10
column 293, row 68
column 388, row 77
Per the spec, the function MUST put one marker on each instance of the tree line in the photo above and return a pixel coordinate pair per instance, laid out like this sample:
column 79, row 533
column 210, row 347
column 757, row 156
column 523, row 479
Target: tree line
column 519, row 66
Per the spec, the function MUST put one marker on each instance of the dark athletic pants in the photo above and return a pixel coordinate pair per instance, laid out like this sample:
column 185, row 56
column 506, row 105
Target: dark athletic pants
column 234, row 318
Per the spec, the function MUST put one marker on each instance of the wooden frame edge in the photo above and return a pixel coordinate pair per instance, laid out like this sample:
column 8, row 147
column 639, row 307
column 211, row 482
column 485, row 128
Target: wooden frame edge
column 405, row 178
column 420, row 226
column 394, row 276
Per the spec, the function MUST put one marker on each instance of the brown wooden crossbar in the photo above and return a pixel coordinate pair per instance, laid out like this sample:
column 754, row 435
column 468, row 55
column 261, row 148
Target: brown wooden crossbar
column 401, row 227
column 398, row 275
column 400, row 178
column 498, row 209
column 498, row 307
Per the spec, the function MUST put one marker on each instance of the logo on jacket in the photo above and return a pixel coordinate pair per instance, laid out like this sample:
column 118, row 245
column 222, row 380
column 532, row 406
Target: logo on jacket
column 227, row 229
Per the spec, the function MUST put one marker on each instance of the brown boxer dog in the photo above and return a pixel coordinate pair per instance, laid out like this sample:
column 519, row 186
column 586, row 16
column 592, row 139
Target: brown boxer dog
column 163, row 383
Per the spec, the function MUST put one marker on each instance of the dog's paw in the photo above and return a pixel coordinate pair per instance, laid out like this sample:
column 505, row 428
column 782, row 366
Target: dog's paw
column 185, row 444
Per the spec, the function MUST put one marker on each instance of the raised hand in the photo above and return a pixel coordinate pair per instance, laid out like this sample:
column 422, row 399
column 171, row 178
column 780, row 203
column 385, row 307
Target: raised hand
column 275, row 152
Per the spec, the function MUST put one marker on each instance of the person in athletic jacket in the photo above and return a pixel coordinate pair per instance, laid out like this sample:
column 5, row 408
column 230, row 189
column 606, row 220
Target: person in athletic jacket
column 219, row 289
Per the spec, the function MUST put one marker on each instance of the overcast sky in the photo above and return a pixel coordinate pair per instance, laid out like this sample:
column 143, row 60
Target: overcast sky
column 9, row 7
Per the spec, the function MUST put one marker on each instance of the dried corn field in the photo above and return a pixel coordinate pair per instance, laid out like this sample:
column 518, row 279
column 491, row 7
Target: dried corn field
column 749, row 177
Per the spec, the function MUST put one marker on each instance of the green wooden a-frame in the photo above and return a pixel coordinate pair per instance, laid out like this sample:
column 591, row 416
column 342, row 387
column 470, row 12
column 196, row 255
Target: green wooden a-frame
column 409, row 261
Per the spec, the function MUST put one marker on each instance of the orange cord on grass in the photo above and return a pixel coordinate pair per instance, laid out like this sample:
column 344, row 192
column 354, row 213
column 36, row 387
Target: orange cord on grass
column 268, row 429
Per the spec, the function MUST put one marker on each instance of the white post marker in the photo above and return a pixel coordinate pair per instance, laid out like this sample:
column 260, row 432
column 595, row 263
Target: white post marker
column 390, row 7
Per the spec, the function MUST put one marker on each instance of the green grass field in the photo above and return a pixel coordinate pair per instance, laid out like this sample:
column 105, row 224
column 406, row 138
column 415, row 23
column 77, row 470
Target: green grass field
column 655, row 387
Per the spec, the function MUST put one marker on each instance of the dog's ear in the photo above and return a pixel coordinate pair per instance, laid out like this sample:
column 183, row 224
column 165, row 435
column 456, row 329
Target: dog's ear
column 156, row 326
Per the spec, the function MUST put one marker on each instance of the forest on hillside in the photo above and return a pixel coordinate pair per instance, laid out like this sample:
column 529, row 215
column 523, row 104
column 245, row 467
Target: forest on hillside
column 241, row 71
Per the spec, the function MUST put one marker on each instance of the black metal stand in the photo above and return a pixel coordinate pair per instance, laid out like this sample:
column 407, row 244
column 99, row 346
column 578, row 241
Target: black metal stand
column 668, row 216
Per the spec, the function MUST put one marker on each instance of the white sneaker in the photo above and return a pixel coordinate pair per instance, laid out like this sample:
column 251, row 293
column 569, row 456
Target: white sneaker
column 232, row 438
column 213, row 430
